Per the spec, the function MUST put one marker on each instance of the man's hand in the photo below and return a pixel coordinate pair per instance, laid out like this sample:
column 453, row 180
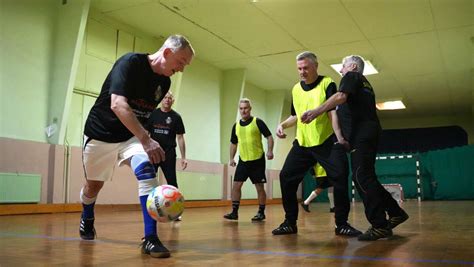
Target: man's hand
column 232, row 163
column 280, row 132
column 184, row 164
column 155, row 153
column 309, row 116
column 269, row 155
column 345, row 144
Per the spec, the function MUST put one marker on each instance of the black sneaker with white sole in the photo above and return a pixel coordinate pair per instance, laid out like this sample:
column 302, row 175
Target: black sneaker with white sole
column 375, row 233
column 347, row 230
column 305, row 207
column 396, row 220
column 231, row 216
column 152, row 246
column 86, row 229
column 259, row 217
column 285, row 229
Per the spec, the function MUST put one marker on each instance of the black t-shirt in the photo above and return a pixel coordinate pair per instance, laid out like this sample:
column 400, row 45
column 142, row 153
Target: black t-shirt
column 330, row 90
column 358, row 115
column 262, row 127
column 164, row 126
column 131, row 77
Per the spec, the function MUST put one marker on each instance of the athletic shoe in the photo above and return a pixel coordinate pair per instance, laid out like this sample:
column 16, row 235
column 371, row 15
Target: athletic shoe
column 152, row 245
column 178, row 219
column 285, row 229
column 332, row 210
column 259, row 217
column 375, row 233
column 86, row 229
column 396, row 220
column 231, row 216
column 305, row 207
column 347, row 230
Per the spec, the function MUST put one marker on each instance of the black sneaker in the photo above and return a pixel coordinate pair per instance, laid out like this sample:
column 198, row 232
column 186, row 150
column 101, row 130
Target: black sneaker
column 285, row 229
column 86, row 229
column 332, row 210
column 305, row 207
column 231, row 216
column 259, row 217
column 152, row 245
column 396, row 220
column 347, row 230
column 375, row 233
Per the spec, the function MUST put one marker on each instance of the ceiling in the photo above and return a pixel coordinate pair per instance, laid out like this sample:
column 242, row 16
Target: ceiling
column 423, row 49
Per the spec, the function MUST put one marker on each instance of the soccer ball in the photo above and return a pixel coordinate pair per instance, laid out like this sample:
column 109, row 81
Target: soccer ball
column 165, row 203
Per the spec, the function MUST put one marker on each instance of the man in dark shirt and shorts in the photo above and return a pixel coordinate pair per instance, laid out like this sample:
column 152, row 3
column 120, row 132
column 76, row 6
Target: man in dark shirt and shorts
column 247, row 135
column 355, row 103
column 115, row 134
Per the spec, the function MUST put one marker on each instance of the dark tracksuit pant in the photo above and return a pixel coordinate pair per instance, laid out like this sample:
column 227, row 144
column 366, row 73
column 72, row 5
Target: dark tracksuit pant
column 299, row 160
column 377, row 200
column 169, row 167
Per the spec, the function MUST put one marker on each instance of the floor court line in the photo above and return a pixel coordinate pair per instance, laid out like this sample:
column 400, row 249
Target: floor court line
column 254, row 252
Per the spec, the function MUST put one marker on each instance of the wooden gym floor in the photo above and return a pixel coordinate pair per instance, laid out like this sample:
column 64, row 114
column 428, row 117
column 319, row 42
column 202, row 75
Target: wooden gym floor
column 437, row 234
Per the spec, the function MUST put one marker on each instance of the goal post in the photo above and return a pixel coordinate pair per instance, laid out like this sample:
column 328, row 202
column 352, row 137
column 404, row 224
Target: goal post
column 403, row 170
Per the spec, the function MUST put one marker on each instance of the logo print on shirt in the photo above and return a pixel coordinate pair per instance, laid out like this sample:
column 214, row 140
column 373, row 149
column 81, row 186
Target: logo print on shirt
column 168, row 120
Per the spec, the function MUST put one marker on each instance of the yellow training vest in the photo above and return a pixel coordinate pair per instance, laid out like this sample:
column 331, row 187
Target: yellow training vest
column 317, row 131
column 249, row 141
column 319, row 171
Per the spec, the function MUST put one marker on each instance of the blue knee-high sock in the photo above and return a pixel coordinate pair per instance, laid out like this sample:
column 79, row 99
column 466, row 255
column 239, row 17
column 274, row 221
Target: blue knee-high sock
column 88, row 210
column 146, row 176
column 150, row 224
column 88, row 204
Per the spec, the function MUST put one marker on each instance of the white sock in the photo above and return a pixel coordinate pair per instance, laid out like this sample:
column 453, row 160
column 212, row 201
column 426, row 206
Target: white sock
column 331, row 197
column 85, row 199
column 312, row 196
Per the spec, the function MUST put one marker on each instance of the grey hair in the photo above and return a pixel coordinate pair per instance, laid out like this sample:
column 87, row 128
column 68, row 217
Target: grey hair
column 245, row 100
column 177, row 42
column 355, row 59
column 309, row 55
column 171, row 94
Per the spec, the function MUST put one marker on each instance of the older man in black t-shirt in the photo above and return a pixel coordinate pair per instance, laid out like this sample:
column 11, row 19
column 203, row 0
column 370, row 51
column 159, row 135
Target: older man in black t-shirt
column 166, row 126
column 115, row 133
column 360, row 125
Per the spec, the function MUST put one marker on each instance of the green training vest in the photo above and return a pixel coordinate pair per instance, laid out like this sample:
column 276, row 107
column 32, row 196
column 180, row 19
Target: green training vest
column 249, row 141
column 317, row 131
column 319, row 171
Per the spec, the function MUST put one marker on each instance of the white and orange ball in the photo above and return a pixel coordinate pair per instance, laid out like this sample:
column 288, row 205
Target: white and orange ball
column 165, row 203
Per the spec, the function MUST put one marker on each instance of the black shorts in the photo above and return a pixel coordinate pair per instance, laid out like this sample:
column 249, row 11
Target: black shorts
column 254, row 169
column 323, row 182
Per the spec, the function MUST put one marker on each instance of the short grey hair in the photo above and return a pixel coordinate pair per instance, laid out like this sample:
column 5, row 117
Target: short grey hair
column 171, row 94
column 245, row 100
column 177, row 42
column 309, row 55
column 355, row 59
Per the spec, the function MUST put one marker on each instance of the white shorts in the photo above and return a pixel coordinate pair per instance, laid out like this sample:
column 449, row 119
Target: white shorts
column 99, row 158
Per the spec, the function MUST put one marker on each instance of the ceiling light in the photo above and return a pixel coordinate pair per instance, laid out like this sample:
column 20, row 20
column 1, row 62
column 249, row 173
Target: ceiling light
column 369, row 69
column 390, row 105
